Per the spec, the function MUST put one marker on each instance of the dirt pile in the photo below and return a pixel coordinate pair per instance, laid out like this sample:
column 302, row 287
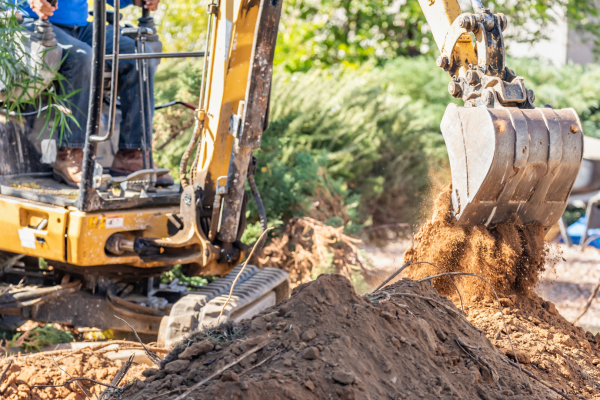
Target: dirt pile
column 549, row 345
column 325, row 342
column 41, row 369
column 509, row 256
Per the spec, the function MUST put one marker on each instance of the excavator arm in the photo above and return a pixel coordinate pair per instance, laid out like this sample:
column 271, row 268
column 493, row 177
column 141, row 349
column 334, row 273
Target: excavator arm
column 230, row 120
column 472, row 48
column 510, row 161
column 453, row 41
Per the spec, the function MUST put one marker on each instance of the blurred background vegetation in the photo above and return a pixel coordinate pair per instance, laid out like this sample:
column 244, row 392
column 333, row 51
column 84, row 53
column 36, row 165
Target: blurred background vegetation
column 324, row 33
column 354, row 138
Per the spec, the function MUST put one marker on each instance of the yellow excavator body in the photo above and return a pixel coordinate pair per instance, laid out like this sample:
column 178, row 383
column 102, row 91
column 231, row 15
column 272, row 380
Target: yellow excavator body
column 75, row 237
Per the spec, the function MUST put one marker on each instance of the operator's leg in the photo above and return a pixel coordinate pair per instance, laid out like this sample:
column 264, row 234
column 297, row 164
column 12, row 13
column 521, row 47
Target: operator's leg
column 76, row 69
column 130, row 157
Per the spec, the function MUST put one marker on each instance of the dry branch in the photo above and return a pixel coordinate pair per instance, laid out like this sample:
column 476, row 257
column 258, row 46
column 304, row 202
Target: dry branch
column 560, row 393
column 241, row 271
column 74, row 380
column 260, row 363
column 117, row 379
column 589, row 302
column 95, row 348
column 152, row 356
column 5, row 372
column 71, row 380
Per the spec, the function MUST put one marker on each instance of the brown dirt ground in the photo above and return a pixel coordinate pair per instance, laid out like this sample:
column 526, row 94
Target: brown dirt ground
column 39, row 369
column 511, row 258
column 326, row 342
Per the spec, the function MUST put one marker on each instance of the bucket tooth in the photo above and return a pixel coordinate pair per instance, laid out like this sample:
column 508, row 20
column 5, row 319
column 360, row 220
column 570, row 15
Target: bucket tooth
column 510, row 163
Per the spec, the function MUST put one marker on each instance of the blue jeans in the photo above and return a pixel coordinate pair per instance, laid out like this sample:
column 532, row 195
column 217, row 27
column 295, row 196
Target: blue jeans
column 76, row 68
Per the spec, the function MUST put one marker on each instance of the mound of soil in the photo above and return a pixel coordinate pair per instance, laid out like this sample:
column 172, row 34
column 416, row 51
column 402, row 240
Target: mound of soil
column 325, row 342
column 39, row 369
column 511, row 257
column 552, row 347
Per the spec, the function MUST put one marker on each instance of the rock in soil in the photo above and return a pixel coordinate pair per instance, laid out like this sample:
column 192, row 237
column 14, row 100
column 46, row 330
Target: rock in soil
column 387, row 345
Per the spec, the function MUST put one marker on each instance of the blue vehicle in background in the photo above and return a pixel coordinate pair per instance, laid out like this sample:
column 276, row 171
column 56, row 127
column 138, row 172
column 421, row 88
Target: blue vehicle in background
column 585, row 195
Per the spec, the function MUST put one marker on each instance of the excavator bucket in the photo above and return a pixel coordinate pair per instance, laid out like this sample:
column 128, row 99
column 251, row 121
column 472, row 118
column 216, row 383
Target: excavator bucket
column 512, row 164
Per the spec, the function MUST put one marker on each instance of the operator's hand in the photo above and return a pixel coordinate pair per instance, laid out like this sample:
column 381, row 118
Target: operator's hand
column 151, row 5
column 43, row 8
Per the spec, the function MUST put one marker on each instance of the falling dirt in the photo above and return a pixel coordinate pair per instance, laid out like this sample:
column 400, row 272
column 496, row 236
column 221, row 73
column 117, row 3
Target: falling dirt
column 25, row 372
column 326, row 342
column 511, row 257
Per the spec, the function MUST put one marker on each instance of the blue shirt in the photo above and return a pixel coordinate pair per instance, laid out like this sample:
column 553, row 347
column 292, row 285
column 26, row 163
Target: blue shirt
column 69, row 12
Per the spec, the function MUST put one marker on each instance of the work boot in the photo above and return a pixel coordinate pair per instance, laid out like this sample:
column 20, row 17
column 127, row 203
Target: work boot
column 67, row 167
column 132, row 160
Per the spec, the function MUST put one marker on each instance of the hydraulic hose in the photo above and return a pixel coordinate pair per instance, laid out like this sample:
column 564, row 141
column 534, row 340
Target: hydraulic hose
column 199, row 126
column 262, row 213
column 188, row 153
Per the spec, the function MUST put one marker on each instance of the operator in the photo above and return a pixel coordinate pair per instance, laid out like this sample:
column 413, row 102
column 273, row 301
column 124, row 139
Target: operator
column 74, row 36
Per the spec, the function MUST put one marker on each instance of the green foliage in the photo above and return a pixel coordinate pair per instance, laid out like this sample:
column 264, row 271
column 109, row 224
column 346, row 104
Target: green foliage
column 175, row 80
column 21, row 80
column 35, row 339
column 576, row 86
column 350, row 32
column 176, row 273
column 572, row 214
column 378, row 128
column 181, row 24
column 46, row 335
column 286, row 176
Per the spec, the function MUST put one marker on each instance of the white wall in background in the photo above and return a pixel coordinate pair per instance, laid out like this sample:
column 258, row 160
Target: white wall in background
column 553, row 50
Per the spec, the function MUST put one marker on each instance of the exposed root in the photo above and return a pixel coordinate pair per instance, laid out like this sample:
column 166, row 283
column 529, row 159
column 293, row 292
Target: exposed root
column 309, row 248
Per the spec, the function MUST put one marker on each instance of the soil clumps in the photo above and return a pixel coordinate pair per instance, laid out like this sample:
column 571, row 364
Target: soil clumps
column 547, row 344
column 39, row 369
column 326, row 342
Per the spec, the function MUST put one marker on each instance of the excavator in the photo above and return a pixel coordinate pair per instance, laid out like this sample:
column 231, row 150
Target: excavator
column 105, row 245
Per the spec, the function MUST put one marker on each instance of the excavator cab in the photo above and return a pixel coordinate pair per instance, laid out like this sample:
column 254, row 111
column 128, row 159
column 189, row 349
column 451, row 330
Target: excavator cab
column 510, row 160
column 104, row 245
